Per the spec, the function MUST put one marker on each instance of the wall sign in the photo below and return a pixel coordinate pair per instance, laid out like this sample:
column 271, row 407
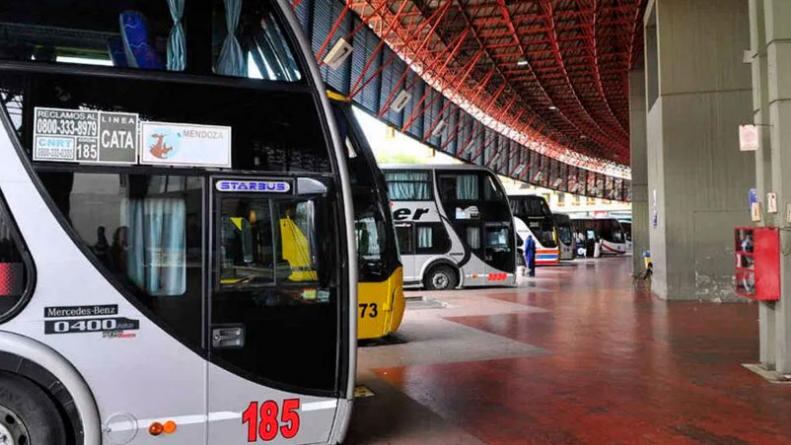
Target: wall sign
column 172, row 144
column 771, row 202
column 84, row 136
column 748, row 137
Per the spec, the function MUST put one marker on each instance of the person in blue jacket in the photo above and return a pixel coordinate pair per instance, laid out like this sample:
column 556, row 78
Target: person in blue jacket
column 530, row 256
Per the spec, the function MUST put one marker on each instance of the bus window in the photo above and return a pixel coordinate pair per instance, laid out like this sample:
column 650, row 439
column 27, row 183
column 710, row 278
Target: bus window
column 408, row 185
column 146, row 231
column 405, row 238
column 264, row 242
column 15, row 266
column 369, row 245
column 458, row 187
column 290, row 139
column 491, row 191
column 498, row 237
column 474, row 237
column 149, row 35
column 256, row 47
column 432, row 238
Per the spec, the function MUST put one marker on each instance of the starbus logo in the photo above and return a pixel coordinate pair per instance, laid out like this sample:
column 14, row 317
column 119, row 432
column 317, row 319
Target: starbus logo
column 253, row 186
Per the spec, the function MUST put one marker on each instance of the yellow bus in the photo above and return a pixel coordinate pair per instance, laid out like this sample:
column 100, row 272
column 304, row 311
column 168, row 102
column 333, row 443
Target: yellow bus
column 380, row 288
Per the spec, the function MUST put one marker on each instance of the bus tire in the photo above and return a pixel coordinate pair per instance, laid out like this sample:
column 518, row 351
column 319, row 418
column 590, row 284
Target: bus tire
column 441, row 277
column 28, row 413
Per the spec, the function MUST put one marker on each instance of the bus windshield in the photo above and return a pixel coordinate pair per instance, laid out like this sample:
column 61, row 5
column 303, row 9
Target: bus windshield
column 377, row 253
column 564, row 233
column 535, row 213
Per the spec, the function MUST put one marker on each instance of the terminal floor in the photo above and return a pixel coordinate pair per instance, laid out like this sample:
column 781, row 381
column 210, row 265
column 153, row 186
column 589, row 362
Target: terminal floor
column 577, row 355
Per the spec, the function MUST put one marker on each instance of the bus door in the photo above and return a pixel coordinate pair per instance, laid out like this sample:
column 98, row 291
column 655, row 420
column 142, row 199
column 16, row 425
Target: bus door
column 273, row 313
column 499, row 256
column 405, row 236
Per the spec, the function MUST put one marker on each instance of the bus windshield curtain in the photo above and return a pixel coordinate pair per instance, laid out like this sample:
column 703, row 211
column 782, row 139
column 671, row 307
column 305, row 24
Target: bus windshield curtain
column 177, row 40
column 231, row 61
column 467, row 187
column 408, row 186
column 156, row 259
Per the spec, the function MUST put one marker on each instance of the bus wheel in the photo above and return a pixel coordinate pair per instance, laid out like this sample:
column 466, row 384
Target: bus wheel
column 440, row 278
column 27, row 415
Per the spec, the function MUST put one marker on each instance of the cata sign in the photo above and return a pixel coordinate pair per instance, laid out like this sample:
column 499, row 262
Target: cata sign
column 85, row 136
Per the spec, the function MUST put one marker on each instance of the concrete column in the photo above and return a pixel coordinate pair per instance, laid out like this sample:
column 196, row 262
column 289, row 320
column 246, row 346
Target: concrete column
column 698, row 91
column 777, row 24
column 637, row 143
column 763, row 159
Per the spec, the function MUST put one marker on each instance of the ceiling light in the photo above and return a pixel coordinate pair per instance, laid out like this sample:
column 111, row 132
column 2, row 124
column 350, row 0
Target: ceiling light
column 522, row 62
column 553, row 108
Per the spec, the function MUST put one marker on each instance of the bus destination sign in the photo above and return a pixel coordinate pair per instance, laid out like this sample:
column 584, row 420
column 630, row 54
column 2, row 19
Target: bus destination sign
column 85, row 136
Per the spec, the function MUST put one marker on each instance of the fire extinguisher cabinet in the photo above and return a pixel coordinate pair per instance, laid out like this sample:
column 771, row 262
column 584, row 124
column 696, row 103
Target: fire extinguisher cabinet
column 757, row 253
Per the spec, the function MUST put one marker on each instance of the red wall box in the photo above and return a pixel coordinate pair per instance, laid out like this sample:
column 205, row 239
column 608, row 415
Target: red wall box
column 757, row 255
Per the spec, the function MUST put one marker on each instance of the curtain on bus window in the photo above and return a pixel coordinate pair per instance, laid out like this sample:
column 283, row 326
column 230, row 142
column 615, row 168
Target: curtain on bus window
column 467, row 187
column 424, row 237
column 405, row 186
column 177, row 42
column 231, row 61
column 156, row 256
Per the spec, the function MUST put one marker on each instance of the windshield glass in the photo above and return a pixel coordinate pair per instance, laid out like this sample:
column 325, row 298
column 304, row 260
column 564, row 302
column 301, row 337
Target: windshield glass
column 564, row 233
column 527, row 206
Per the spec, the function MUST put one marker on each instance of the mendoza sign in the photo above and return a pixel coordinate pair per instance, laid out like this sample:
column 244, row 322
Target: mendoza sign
column 189, row 145
column 85, row 136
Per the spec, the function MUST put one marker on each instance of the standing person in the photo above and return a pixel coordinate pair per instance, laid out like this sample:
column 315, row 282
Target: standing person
column 530, row 256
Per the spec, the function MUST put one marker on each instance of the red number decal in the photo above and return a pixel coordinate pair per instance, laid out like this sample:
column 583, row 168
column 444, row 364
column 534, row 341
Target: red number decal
column 291, row 417
column 267, row 430
column 263, row 423
column 250, row 416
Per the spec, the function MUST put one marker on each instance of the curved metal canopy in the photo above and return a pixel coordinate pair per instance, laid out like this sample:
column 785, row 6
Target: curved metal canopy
column 555, row 71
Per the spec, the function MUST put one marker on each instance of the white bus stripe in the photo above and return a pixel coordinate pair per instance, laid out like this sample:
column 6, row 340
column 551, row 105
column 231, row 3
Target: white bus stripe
column 217, row 416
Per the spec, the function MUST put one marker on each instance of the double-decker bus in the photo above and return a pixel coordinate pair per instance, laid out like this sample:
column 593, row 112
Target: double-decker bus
column 380, row 288
column 532, row 217
column 566, row 241
column 453, row 225
column 608, row 231
column 177, row 258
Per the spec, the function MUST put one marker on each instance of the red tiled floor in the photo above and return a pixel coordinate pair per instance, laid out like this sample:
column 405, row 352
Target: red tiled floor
column 622, row 368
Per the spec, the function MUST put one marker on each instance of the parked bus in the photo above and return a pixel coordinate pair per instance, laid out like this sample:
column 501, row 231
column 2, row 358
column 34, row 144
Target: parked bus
column 532, row 217
column 606, row 230
column 380, row 290
column 177, row 255
column 453, row 225
column 566, row 241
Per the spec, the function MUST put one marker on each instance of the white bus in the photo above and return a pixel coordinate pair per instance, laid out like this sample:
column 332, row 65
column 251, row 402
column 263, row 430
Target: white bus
column 532, row 217
column 177, row 253
column 453, row 225
column 606, row 231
